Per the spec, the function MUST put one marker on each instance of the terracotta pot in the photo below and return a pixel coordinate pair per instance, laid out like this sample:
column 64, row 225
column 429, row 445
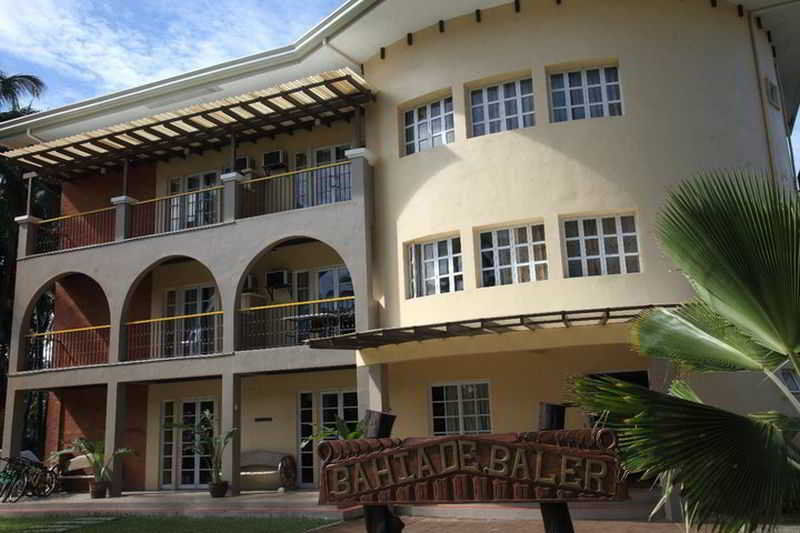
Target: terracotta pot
column 98, row 489
column 218, row 490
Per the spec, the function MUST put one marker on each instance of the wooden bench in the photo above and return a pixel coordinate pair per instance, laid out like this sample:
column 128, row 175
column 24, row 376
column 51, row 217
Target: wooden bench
column 267, row 470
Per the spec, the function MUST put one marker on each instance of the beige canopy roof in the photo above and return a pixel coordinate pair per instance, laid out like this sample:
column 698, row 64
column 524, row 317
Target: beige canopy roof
column 323, row 98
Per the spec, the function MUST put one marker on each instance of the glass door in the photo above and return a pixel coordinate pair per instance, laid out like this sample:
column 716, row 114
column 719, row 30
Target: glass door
column 182, row 465
column 335, row 282
column 342, row 404
column 194, row 465
column 305, row 419
column 192, row 210
column 194, row 335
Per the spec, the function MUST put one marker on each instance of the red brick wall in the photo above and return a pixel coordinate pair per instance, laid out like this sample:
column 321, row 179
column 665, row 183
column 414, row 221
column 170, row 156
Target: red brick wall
column 79, row 303
column 95, row 192
column 139, row 341
column 81, row 412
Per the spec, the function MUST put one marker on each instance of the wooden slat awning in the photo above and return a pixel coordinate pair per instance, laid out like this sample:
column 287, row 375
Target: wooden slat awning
column 323, row 98
column 481, row 326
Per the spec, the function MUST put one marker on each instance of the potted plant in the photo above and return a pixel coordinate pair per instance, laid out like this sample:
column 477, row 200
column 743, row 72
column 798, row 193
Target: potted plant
column 101, row 465
column 341, row 430
column 207, row 441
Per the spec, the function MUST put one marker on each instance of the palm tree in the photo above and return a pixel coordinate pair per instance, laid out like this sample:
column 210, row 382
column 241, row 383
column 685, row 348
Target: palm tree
column 736, row 238
column 13, row 87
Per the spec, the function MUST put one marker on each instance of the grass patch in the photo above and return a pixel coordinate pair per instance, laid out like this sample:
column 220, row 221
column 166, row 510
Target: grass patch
column 21, row 523
column 182, row 524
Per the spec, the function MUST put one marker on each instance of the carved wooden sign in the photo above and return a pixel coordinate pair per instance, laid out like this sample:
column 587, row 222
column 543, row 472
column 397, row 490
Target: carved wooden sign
column 547, row 466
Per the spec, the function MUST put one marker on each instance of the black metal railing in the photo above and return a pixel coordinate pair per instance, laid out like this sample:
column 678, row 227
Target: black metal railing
column 295, row 190
column 290, row 324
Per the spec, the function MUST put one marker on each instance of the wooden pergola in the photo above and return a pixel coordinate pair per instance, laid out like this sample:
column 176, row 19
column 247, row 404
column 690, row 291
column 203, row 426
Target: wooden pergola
column 302, row 104
column 481, row 326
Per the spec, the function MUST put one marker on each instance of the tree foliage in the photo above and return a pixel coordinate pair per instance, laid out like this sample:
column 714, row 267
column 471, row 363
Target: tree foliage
column 736, row 238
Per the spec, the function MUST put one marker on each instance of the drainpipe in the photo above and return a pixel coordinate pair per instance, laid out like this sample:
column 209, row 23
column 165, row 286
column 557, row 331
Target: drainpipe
column 30, row 135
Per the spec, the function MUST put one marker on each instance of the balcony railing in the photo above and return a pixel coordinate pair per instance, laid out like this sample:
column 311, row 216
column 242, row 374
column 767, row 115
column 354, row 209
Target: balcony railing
column 290, row 324
column 72, row 231
column 67, row 347
column 176, row 212
column 175, row 336
column 321, row 185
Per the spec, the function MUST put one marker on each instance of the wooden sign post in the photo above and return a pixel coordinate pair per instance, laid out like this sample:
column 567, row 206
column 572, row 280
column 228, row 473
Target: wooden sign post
column 548, row 467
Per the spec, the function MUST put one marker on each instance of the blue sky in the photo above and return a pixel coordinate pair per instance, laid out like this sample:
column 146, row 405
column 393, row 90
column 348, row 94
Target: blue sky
column 84, row 48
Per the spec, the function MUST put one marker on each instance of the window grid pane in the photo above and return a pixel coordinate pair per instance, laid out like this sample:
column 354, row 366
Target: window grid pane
column 502, row 107
column 598, row 246
column 435, row 267
column 517, row 255
column 459, row 409
column 590, row 93
column 429, row 126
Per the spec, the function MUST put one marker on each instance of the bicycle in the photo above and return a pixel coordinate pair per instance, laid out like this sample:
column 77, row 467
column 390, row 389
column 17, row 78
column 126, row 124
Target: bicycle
column 14, row 480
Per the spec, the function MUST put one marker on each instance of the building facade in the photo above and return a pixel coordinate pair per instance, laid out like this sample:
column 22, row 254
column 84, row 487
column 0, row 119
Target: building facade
column 442, row 210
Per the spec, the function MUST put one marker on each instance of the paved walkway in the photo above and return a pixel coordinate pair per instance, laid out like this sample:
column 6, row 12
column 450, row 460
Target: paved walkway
column 195, row 503
column 437, row 525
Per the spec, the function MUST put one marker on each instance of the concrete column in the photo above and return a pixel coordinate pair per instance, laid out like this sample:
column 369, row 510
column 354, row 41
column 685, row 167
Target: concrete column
column 115, row 431
column 14, row 421
column 122, row 219
column 26, row 241
column 361, row 183
column 230, row 202
column 232, row 418
column 373, row 392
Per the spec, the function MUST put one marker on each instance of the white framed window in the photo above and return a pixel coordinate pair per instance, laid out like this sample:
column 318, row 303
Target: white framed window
column 435, row 267
column 502, row 107
column 791, row 380
column 589, row 93
column 323, row 155
column 429, row 126
column 513, row 255
column 339, row 404
column 192, row 210
column 598, row 246
column 461, row 408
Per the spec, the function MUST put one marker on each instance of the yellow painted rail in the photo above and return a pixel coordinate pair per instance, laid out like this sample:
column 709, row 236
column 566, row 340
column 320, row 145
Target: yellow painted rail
column 297, row 304
column 168, row 318
column 75, row 215
column 301, row 171
column 73, row 330
column 176, row 195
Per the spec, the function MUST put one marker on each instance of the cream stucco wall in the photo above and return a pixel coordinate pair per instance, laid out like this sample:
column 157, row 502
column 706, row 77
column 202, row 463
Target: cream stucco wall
column 263, row 396
column 691, row 103
column 518, row 382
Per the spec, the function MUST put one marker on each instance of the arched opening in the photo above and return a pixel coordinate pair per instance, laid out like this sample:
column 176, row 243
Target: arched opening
column 173, row 309
column 295, row 290
column 68, row 325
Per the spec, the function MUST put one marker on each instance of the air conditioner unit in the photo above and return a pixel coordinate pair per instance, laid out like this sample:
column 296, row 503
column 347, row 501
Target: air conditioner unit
column 275, row 159
column 250, row 283
column 278, row 279
column 243, row 163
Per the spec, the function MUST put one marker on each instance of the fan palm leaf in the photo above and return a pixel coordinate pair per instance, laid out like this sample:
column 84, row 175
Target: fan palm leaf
column 736, row 237
column 734, row 472
column 702, row 340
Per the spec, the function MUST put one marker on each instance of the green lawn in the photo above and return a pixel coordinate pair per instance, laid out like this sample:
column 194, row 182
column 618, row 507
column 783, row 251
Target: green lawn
column 175, row 524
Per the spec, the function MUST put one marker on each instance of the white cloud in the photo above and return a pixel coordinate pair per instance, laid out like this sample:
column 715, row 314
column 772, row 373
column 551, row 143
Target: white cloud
column 115, row 45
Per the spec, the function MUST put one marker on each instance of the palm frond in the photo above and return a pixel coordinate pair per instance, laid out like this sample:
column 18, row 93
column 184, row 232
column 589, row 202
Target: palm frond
column 700, row 339
column 13, row 87
column 733, row 472
column 736, row 236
